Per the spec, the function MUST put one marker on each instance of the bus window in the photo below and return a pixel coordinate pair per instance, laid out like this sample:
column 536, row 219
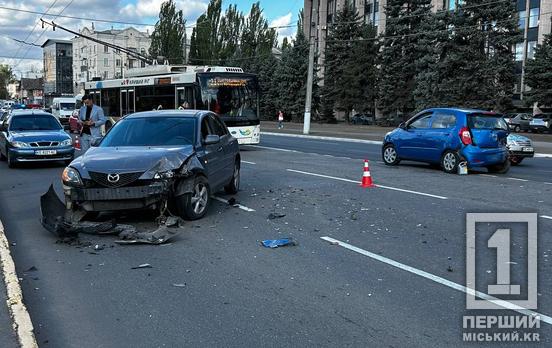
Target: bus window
column 185, row 97
column 230, row 95
column 110, row 101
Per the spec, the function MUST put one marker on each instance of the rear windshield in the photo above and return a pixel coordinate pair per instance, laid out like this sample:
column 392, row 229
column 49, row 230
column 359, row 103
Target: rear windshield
column 151, row 131
column 67, row 106
column 34, row 123
column 482, row 121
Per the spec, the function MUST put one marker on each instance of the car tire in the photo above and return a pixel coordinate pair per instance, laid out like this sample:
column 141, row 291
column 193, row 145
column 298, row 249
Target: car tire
column 11, row 162
column 501, row 168
column 515, row 160
column 193, row 206
column 517, row 129
column 2, row 157
column 389, row 155
column 449, row 162
column 234, row 186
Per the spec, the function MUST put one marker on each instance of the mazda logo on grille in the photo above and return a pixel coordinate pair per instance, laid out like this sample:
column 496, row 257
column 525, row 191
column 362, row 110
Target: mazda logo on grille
column 113, row 178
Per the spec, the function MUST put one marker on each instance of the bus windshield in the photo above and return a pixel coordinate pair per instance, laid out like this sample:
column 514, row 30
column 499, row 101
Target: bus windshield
column 230, row 96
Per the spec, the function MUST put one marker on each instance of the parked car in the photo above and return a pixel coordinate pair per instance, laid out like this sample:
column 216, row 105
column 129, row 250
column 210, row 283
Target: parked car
column 518, row 122
column 151, row 158
column 448, row 136
column 541, row 123
column 519, row 148
column 34, row 135
column 364, row 119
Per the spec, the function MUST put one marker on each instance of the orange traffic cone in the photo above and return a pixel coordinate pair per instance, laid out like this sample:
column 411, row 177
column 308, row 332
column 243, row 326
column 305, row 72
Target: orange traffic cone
column 366, row 177
column 77, row 144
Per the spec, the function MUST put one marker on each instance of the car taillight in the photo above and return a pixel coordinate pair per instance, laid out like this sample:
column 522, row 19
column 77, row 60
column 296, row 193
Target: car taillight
column 465, row 136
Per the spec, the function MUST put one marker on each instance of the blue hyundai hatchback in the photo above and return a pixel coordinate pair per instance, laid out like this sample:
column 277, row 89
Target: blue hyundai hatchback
column 448, row 136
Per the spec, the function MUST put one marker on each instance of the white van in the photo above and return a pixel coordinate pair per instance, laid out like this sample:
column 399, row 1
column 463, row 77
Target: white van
column 62, row 108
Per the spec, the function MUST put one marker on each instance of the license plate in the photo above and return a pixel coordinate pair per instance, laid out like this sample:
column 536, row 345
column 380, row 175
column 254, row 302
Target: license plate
column 527, row 149
column 45, row 152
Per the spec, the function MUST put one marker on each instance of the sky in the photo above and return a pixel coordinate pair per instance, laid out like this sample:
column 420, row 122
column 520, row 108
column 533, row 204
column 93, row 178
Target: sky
column 27, row 27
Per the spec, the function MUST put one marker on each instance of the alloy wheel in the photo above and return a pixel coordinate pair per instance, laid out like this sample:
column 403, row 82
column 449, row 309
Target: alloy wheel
column 200, row 198
column 449, row 162
column 390, row 155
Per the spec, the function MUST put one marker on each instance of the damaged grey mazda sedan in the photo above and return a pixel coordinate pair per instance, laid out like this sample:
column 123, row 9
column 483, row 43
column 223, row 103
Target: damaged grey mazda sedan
column 155, row 160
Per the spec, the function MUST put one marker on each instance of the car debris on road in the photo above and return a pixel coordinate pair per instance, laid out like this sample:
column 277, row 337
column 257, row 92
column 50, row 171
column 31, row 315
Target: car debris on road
column 275, row 243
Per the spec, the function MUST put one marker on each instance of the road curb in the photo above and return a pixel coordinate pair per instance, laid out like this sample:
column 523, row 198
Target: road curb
column 22, row 324
column 361, row 141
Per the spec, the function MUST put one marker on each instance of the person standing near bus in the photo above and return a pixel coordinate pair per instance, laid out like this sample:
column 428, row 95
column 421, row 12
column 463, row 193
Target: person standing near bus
column 280, row 119
column 92, row 119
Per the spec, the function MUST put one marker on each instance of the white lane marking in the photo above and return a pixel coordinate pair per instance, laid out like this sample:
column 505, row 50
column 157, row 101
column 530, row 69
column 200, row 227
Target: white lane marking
column 272, row 148
column 358, row 182
column 548, row 183
column 242, row 207
column 543, row 155
column 518, row 179
column 489, row 175
column 347, row 140
column 440, row 280
column 247, row 162
column 22, row 324
column 546, row 217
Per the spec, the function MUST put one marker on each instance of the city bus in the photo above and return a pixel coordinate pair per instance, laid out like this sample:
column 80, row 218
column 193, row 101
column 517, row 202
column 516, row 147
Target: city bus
column 229, row 92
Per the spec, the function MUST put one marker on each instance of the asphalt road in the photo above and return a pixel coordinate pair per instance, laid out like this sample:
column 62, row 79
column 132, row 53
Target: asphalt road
column 238, row 293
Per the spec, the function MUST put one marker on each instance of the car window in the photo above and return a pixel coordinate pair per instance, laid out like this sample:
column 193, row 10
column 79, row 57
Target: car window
column 421, row 122
column 205, row 129
column 482, row 121
column 217, row 126
column 443, row 121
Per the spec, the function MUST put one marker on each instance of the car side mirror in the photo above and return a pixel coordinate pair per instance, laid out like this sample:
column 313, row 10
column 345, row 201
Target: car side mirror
column 211, row 139
column 402, row 125
column 96, row 142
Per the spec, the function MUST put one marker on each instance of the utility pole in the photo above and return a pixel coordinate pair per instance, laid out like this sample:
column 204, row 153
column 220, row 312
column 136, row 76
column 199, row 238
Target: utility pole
column 312, row 47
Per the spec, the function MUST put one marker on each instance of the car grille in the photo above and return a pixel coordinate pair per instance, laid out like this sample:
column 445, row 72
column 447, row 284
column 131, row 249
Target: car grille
column 44, row 143
column 124, row 179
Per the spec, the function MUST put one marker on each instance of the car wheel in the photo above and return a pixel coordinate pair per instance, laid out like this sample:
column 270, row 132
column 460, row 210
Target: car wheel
column 193, row 206
column 515, row 160
column 10, row 159
column 234, row 186
column 501, row 168
column 389, row 155
column 517, row 129
column 2, row 157
column 449, row 162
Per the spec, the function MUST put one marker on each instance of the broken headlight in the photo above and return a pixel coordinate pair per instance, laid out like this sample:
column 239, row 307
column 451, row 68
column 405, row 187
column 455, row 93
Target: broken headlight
column 71, row 177
column 169, row 174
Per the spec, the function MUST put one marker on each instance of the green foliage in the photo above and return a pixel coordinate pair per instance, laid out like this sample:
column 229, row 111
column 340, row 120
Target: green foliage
column 539, row 74
column 169, row 36
column 6, row 76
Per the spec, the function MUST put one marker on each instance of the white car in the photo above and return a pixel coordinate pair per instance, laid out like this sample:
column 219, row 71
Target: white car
column 519, row 147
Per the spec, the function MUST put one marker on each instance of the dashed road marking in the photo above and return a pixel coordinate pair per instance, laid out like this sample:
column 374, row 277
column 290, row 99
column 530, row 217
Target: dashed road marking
column 518, row 179
column 242, row 207
column 489, row 175
column 247, row 162
column 272, row 148
column 358, row 182
column 317, row 137
column 22, row 323
column 440, row 280
column 546, row 217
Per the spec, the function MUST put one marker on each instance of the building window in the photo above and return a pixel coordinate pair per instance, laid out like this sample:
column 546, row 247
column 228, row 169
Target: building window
column 519, row 52
column 534, row 17
column 452, row 4
column 106, row 62
column 531, row 46
column 522, row 18
column 371, row 12
column 143, row 51
column 331, row 10
column 143, row 64
column 106, row 49
column 94, row 48
column 118, row 63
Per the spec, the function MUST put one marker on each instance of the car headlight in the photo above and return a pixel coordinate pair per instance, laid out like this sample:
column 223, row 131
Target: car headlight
column 71, row 176
column 66, row 142
column 19, row 144
column 163, row 175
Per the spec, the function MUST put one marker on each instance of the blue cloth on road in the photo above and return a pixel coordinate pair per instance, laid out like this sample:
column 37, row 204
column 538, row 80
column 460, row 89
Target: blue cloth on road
column 274, row 243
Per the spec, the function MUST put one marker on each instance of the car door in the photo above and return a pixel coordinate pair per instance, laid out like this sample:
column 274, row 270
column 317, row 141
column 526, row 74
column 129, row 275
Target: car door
column 439, row 136
column 226, row 141
column 211, row 156
column 414, row 143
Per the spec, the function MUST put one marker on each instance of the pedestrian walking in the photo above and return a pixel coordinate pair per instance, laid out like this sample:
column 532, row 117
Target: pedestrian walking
column 92, row 119
column 280, row 119
column 536, row 110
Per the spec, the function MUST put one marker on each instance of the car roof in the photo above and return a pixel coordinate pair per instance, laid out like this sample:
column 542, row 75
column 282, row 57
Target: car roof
column 27, row 112
column 169, row 113
column 463, row 110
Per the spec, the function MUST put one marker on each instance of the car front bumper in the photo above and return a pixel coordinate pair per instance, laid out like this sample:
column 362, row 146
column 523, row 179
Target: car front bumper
column 30, row 154
column 122, row 198
column 480, row 157
column 519, row 151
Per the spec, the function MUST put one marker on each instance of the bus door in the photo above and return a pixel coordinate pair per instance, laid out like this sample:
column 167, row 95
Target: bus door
column 185, row 97
column 96, row 98
column 127, row 101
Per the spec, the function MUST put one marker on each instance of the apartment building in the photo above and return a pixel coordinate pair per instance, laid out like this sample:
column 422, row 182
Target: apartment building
column 535, row 22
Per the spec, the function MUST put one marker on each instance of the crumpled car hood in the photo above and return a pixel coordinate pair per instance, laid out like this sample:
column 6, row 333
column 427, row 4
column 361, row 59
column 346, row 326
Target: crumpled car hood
column 132, row 159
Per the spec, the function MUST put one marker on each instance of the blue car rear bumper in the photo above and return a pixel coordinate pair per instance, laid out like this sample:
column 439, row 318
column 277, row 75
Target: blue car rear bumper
column 480, row 157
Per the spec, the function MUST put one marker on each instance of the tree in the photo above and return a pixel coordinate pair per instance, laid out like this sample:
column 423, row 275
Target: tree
column 538, row 74
column 229, row 36
column 6, row 76
column 399, row 54
column 169, row 36
column 204, row 43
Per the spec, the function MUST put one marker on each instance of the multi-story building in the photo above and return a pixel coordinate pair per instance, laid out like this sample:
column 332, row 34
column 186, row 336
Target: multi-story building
column 535, row 22
column 94, row 61
column 58, row 68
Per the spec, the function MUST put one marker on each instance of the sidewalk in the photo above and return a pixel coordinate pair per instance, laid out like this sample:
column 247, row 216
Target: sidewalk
column 542, row 142
column 7, row 335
